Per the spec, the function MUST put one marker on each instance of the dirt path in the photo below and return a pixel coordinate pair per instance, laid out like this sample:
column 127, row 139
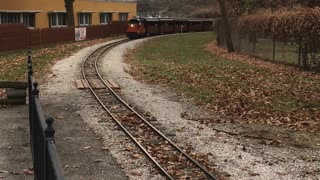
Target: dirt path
column 15, row 153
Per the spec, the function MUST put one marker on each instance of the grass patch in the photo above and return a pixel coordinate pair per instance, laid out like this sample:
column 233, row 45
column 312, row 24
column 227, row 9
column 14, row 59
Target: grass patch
column 14, row 64
column 233, row 86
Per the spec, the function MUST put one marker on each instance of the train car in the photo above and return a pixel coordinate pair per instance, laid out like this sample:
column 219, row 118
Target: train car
column 195, row 25
column 136, row 28
column 181, row 25
column 152, row 26
column 207, row 24
column 141, row 27
column 167, row 26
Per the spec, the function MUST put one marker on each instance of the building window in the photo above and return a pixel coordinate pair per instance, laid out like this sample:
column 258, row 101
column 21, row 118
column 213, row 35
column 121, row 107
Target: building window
column 84, row 19
column 27, row 19
column 123, row 16
column 57, row 19
column 105, row 18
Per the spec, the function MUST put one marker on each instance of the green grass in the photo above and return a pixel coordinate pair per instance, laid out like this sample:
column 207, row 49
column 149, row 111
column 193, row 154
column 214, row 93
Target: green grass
column 234, row 86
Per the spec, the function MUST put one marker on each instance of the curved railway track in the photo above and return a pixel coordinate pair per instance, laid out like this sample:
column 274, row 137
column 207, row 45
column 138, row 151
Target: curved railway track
column 171, row 160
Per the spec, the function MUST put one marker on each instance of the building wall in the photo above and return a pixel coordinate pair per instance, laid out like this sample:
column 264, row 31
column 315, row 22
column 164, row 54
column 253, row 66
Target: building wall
column 45, row 6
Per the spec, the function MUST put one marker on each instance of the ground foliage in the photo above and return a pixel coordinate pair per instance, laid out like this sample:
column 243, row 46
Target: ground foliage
column 246, row 89
column 284, row 24
column 14, row 64
column 177, row 8
column 299, row 25
column 250, row 6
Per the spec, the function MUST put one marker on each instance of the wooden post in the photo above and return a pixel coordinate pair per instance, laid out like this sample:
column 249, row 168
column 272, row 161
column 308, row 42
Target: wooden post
column 13, row 84
column 239, row 43
column 19, row 101
column 254, row 42
column 299, row 58
column 16, row 93
column 274, row 49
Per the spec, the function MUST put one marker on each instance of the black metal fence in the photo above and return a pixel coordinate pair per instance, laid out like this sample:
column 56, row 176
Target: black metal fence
column 46, row 161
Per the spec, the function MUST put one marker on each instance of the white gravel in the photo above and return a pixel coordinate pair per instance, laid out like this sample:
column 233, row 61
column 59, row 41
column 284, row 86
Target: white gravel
column 256, row 162
column 63, row 75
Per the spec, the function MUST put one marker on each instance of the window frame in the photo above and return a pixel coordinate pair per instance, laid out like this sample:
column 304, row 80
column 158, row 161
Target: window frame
column 108, row 16
column 19, row 18
column 82, row 16
column 123, row 13
column 56, row 18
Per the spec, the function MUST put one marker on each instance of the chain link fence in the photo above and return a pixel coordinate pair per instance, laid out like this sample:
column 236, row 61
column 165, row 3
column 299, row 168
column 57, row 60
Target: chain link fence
column 288, row 52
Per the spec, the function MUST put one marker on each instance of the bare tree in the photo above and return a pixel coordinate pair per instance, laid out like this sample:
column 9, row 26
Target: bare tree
column 69, row 8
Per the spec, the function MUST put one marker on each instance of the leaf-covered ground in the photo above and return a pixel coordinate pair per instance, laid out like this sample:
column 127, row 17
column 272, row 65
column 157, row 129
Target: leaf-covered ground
column 14, row 64
column 243, row 88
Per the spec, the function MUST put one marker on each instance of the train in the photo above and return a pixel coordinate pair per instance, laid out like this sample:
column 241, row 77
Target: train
column 142, row 27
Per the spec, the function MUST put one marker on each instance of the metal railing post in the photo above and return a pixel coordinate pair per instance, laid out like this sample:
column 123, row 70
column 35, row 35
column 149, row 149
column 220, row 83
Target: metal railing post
column 30, row 72
column 49, row 136
column 46, row 161
column 36, row 135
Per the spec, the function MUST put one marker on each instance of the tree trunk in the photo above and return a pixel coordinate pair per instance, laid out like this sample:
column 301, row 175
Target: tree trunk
column 226, row 25
column 69, row 8
column 304, row 55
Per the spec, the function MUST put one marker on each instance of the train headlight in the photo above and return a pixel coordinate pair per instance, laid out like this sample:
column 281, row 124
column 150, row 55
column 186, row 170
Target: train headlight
column 132, row 25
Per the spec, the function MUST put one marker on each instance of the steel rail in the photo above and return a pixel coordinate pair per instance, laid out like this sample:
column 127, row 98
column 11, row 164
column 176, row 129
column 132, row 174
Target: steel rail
column 202, row 168
column 163, row 171
column 155, row 129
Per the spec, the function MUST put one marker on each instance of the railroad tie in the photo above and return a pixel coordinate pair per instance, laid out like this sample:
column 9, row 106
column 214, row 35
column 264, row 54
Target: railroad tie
column 96, row 84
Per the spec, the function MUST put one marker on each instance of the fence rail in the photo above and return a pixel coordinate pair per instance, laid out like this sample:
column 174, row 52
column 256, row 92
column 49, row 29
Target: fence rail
column 46, row 161
column 18, row 36
column 288, row 52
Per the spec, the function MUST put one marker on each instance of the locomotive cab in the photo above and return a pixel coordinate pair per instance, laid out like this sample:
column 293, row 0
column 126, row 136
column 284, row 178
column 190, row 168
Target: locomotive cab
column 136, row 28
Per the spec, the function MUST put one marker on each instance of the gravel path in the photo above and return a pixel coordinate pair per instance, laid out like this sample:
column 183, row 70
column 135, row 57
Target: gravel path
column 59, row 91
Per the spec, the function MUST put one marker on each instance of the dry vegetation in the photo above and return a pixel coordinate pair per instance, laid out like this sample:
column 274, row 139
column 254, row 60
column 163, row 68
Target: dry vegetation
column 178, row 8
column 245, row 89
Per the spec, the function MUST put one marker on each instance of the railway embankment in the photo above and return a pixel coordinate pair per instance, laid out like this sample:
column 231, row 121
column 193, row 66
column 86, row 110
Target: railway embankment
column 257, row 120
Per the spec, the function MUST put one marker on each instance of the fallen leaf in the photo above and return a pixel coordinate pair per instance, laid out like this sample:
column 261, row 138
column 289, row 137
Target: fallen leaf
column 136, row 173
column 28, row 172
column 254, row 174
column 105, row 148
column 86, row 148
column 14, row 173
column 98, row 160
column 136, row 155
column 76, row 166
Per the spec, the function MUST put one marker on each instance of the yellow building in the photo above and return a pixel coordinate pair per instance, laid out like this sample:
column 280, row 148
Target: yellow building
column 52, row 13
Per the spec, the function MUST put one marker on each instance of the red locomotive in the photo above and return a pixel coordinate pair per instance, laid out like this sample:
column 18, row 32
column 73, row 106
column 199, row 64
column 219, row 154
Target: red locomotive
column 141, row 27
